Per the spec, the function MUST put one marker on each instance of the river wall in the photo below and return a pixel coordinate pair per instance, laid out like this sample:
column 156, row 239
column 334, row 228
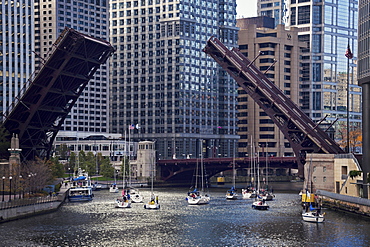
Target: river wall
column 344, row 203
column 23, row 208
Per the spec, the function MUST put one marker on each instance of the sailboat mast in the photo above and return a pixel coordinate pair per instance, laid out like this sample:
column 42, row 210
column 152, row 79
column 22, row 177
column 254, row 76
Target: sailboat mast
column 152, row 166
column 234, row 171
column 201, row 164
column 129, row 155
column 267, row 168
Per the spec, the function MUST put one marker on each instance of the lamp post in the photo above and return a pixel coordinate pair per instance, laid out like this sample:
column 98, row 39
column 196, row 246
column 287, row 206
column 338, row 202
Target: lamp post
column 29, row 185
column 69, row 173
column 21, row 187
column 10, row 188
column 3, row 188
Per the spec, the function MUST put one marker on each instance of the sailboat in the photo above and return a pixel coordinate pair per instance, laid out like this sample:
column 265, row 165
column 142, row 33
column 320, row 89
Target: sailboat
column 113, row 187
column 259, row 203
column 231, row 194
column 125, row 200
column 311, row 208
column 250, row 191
column 153, row 202
column 266, row 194
column 196, row 197
column 135, row 195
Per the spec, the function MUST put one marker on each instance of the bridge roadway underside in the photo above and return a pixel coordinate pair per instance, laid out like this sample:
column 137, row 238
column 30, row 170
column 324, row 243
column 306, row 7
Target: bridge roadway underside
column 183, row 170
column 39, row 111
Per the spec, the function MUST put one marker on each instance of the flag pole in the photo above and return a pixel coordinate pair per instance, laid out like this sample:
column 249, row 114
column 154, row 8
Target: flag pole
column 349, row 56
column 348, row 104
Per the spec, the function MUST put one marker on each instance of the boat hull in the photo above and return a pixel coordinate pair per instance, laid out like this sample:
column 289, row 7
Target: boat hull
column 120, row 203
column 79, row 198
column 113, row 190
column 152, row 206
column 198, row 200
column 268, row 197
column 248, row 194
column 232, row 197
column 259, row 205
column 136, row 198
column 312, row 217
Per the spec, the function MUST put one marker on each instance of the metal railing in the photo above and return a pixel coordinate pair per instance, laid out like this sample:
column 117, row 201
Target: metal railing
column 31, row 201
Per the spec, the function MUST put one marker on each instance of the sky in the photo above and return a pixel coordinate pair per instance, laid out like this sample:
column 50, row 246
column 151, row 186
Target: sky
column 246, row 8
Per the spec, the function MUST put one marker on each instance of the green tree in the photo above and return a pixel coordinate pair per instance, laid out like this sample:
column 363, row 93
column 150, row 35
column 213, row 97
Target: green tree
column 73, row 164
column 90, row 163
column 106, row 168
column 81, row 160
column 57, row 168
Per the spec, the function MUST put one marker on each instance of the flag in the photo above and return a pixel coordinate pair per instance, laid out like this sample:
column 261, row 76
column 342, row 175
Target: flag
column 132, row 126
column 348, row 54
column 137, row 126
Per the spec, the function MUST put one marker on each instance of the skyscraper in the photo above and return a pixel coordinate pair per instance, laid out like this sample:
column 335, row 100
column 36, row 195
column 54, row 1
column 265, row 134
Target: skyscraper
column 364, row 81
column 280, row 53
column 327, row 29
column 90, row 114
column 163, row 85
column 17, row 43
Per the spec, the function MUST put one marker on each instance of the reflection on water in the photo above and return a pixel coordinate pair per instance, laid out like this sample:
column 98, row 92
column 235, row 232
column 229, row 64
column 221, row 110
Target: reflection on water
column 220, row 223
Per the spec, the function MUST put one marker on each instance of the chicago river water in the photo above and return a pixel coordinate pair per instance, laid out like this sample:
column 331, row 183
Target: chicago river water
column 220, row 223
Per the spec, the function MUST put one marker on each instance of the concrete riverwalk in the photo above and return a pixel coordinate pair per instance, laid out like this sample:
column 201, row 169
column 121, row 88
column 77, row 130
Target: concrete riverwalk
column 26, row 207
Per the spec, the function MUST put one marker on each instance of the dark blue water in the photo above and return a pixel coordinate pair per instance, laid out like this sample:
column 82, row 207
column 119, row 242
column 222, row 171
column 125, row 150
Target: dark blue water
column 220, row 223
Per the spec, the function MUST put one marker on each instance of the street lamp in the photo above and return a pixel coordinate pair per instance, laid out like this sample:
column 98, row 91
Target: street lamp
column 21, row 186
column 3, row 188
column 29, row 185
column 69, row 173
column 10, row 188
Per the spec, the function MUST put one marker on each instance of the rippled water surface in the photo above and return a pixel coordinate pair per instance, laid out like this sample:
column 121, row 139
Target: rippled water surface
column 221, row 223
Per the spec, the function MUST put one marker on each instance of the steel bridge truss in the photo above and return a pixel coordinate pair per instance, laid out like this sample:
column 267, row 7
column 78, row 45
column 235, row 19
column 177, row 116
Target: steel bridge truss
column 42, row 106
column 303, row 134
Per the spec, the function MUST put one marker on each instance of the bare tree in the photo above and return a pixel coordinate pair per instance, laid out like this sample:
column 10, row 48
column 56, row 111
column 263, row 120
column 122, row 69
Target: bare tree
column 37, row 174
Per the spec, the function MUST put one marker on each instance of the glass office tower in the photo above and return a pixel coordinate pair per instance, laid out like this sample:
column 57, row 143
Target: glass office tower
column 90, row 115
column 16, row 47
column 327, row 27
column 163, row 87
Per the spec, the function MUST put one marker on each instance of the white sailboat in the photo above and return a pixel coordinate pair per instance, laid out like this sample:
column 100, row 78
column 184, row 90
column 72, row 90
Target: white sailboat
column 266, row 193
column 135, row 195
column 250, row 191
column 259, row 203
column 232, row 194
column 311, row 213
column 125, row 200
column 153, row 202
column 196, row 197
column 113, row 187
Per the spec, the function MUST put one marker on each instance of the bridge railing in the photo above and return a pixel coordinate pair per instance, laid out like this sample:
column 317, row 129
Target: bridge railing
column 30, row 201
column 34, row 74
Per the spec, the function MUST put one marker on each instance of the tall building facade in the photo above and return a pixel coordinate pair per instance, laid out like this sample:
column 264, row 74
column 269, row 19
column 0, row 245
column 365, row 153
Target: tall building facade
column 163, row 85
column 90, row 115
column 327, row 28
column 281, row 52
column 364, row 81
column 16, row 49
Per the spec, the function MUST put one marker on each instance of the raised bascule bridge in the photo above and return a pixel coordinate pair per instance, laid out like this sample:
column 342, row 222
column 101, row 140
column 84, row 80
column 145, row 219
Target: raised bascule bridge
column 39, row 111
column 303, row 134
